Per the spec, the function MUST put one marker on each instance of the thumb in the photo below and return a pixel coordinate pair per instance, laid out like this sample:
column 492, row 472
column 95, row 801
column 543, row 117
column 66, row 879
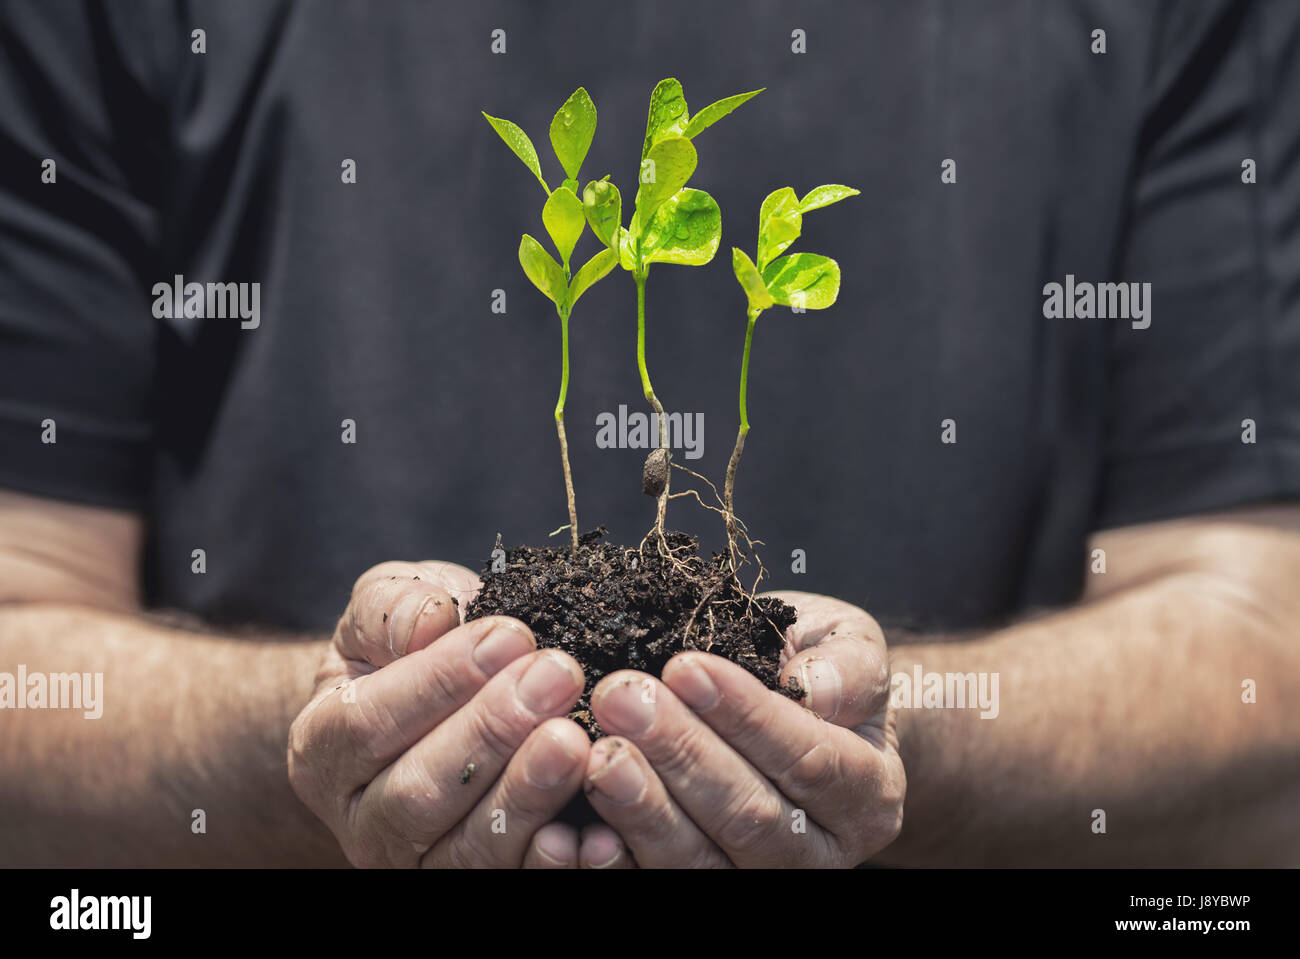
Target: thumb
column 400, row 608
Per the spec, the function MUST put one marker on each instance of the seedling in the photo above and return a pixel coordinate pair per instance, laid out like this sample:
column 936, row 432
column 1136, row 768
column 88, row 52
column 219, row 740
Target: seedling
column 572, row 130
column 671, row 223
column 611, row 606
column 802, row 281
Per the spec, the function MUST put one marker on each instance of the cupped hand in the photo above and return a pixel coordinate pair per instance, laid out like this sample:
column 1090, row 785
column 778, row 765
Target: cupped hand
column 708, row 767
column 432, row 742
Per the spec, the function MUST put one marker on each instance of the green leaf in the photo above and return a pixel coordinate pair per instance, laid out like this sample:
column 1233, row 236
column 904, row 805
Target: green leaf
column 685, row 230
column 779, row 223
column 593, row 270
column 669, row 165
column 517, row 140
column 821, row 196
column 542, row 269
column 750, row 280
column 668, row 114
column 626, row 250
column 715, row 112
column 603, row 206
column 572, row 128
column 564, row 220
column 806, row 280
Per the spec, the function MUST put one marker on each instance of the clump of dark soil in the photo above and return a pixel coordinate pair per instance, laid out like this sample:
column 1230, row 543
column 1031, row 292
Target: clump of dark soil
column 616, row 607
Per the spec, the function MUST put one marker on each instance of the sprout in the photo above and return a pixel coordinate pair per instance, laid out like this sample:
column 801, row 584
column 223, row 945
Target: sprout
column 804, row 281
column 670, row 224
column 563, row 216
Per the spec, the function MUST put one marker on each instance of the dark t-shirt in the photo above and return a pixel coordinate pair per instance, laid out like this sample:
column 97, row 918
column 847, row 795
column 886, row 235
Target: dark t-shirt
column 376, row 297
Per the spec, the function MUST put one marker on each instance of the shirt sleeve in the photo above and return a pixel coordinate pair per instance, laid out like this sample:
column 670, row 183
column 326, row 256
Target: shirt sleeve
column 81, row 150
column 1203, row 406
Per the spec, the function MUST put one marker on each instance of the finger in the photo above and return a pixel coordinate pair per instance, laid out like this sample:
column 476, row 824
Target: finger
column 410, row 804
column 537, row 783
column 345, row 738
column 722, row 793
column 394, row 611
column 820, row 616
column 601, row 848
column 840, row 660
column 827, row 771
column 554, row 846
column 630, row 798
column 845, row 680
column 463, row 584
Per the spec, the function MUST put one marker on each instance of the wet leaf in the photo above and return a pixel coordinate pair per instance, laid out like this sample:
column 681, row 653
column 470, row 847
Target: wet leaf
column 750, row 280
column 517, row 140
column 715, row 112
column 603, row 207
column 572, row 128
column 593, row 270
column 565, row 220
column 686, row 230
column 821, row 196
column 668, row 114
column 806, row 280
column 542, row 269
column 779, row 223
column 668, row 166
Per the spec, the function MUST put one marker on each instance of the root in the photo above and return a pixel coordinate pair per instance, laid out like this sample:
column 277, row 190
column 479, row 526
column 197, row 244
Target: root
column 568, row 481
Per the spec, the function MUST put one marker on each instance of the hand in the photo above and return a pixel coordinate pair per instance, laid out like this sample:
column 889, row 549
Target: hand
column 711, row 768
column 446, row 753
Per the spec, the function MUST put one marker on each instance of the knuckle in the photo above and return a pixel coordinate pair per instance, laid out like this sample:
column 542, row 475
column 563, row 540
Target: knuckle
column 444, row 682
column 520, row 799
column 500, row 733
column 751, row 822
column 813, row 772
column 406, row 801
column 371, row 726
column 463, row 850
column 682, row 753
column 705, row 855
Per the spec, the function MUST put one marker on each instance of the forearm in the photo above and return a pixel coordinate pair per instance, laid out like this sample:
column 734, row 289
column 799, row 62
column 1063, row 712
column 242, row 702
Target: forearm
column 190, row 722
column 1132, row 705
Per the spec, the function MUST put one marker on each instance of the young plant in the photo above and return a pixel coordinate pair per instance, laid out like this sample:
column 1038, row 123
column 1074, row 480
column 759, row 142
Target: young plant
column 572, row 130
column 802, row 281
column 671, row 223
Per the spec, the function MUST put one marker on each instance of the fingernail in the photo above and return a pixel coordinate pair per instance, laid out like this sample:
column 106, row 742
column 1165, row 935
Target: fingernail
column 501, row 647
column 620, row 780
column 693, row 684
column 401, row 622
column 607, row 860
column 555, row 847
column 549, row 762
column 547, row 684
column 822, row 686
column 627, row 707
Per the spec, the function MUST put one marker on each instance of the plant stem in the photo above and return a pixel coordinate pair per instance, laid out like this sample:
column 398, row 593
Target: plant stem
column 559, row 428
column 729, row 487
column 661, row 508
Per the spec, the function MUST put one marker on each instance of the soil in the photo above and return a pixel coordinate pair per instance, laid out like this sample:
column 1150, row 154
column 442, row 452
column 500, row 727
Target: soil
column 616, row 607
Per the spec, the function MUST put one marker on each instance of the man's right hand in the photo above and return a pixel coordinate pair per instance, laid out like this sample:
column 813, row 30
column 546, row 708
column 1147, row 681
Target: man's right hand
column 432, row 743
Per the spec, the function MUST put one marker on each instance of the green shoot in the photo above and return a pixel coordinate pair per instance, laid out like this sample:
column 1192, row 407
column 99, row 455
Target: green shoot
column 564, row 218
column 802, row 281
column 670, row 223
